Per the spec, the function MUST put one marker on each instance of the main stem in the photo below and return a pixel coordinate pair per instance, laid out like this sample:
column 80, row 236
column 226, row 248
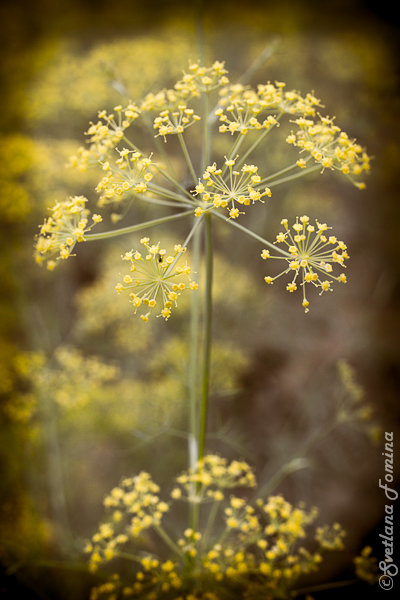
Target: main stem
column 207, row 319
column 194, row 360
column 200, row 428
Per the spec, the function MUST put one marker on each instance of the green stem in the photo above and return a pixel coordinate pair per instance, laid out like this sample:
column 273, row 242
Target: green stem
column 187, row 157
column 232, row 153
column 185, row 243
column 206, row 334
column 164, row 535
column 253, row 234
column 149, row 200
column 206, row 132
column 210, row 524
column 172, row 180
column 161, row 191
column 131, row 144
column 194, row 359
column 158, row 143
column 90, row 237
column 55, row 473
column 128, row 556
column 281, row 172
column 301, row 173
column 258, row 141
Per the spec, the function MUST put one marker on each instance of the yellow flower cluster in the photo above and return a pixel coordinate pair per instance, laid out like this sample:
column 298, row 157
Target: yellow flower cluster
column 135, row 507
column 310, row 255
column 201, row 79
column 241, row 119
column 366, row 566
column 243, row 109
column 290, row 102
column 241, row 187
column 246, row 550
column 330, row 537
column 212, row 474
column 198, row 80
column 77, row 378
column 175, row 121
column 166, row 99
column 155, row 281
column 330, row 147
column 70, row 379
column 68, row 223
column 129, row 173
column 104, row 135
column 352, row 404
column 229, row 185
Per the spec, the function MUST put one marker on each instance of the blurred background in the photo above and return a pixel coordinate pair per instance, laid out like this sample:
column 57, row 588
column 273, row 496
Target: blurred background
column 88, row 394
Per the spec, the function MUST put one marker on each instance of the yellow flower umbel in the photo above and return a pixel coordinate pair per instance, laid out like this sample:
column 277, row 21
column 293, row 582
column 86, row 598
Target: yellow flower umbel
column 269, row 97
column 241, row 187
column 135, row 506
column 198, row 80
column 104, row 135
column 243, row 109
column 244, row 549
column 130, row 173
column 175, row 121
column 330, row 147
column 242, row 115
column 59, row 233
column 366, row 566
column 212, row 474
column 155, row 281
column 204, row 79
column 310, row 255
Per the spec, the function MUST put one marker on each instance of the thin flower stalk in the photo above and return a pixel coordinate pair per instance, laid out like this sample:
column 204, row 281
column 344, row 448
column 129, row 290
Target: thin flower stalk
column 134, row 228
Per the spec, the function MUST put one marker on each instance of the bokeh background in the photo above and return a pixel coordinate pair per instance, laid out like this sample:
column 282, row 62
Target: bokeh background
column 87, row 393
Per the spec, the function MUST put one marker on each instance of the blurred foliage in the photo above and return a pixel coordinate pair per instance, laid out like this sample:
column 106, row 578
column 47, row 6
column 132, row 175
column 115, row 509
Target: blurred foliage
column 274, row 381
